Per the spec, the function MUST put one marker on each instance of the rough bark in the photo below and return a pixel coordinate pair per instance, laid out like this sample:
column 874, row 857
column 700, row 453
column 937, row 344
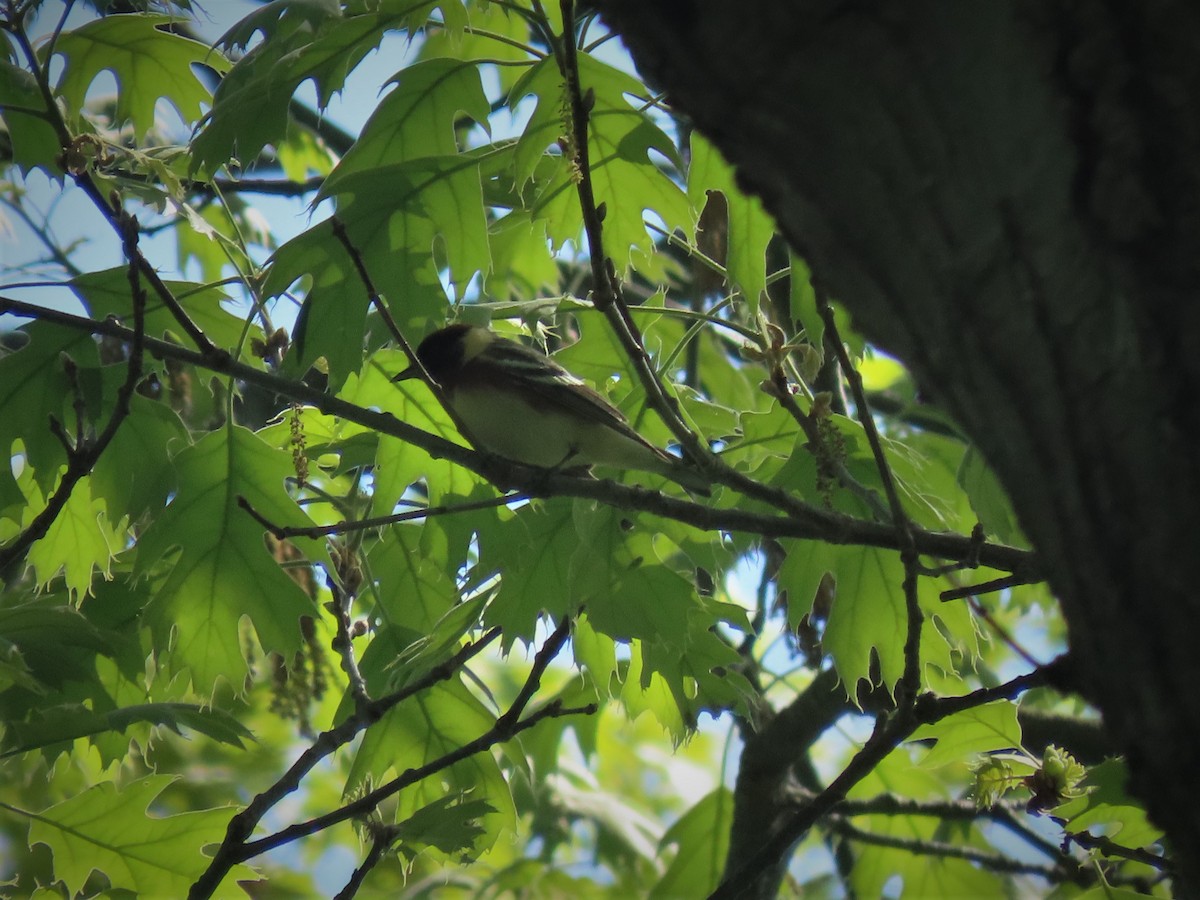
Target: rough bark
column 1006, row 194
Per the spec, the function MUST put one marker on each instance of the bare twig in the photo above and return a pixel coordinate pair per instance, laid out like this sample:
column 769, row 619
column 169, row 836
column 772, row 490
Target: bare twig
column 1108, row 847
column 987, row 587
column 505, row 728
column 380, row 843
column 810, row 425
column 891, row 729
column 233, row 849
column 607, row 291
column 425, row 512
column 368, row 802
column 83, row 454
column 990, row 861
column 373, row 295
column 910, row 681
column 343, row 592
column 605, row 282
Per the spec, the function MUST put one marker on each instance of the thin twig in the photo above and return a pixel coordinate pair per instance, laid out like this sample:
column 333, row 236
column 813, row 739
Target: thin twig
column 425, row 512
column 607, row 293
column 368, row 802
column 110, row 208
column 1108, row 847
column 990, row 861
column 373, row 296
column 889, row 732
column 987, row 587
column 83, row 455
column 341, row 588
column 505, row 728
column 605, row 282
column 910, row 681
column 377, row 301
column 233, row 849
column 1001, row 632
column 381, row 841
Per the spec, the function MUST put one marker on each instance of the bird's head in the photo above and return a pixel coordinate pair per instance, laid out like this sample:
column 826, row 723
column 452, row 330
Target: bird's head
column 445, row 351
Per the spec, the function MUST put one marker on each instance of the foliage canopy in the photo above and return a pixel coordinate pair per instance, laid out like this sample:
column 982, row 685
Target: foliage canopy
column 225, row 530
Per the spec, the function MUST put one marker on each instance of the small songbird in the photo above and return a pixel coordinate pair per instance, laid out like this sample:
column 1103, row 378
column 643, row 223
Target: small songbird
column 522, row 405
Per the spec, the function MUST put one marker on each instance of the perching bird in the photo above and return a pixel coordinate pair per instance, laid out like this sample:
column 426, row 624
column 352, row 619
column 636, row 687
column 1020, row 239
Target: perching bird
column 522, row 405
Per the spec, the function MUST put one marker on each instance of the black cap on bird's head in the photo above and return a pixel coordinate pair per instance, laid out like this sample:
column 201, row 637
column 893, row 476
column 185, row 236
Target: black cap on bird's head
column 443, row 351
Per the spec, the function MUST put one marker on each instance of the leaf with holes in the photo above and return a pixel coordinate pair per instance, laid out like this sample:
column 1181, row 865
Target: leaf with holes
column 148, row 61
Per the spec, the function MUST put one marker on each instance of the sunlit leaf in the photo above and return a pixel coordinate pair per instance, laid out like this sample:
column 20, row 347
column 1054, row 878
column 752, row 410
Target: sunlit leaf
column 621, row 138
column 223, row 570
column 108, row 829
column 701, row 837
column 149, row 62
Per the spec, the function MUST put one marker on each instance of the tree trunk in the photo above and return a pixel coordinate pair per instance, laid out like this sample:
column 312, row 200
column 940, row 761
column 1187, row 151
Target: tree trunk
column 1005, row 193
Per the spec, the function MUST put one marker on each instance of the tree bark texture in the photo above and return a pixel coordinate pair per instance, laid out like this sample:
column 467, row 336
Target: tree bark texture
column 1006, row 194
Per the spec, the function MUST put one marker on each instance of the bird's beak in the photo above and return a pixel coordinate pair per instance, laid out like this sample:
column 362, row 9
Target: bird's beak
column 411, row 372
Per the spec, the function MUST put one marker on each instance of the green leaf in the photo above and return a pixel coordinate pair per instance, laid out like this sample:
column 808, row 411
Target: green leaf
column 34, row 386
column 312, row 40
column 532, row 547
column 56, row 643
column 224, row 570
column 483, row 43
column 148, row 62
column 80, row 541
column 106, row 293
column 449, row 824
column 424, row 728
column 868, row 614
column 417, row 119
column 150, row 434
column 436, row 646
column 413, row 591
column 438, row 196
column 250, row 108
column 1107, row 803
column 803, row 302
column 66, row 723
column 701, row 836
column 522, row 264
column 106, row 828
column 988, row 499
column 625, row 575
column 620, row 139
column 921, row 875
column 34, row 142
column 981, row 729
column 397, row 463
column 394, row 216
column 750, row 228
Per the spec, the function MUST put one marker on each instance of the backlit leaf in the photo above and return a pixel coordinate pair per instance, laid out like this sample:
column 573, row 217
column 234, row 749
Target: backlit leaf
column 223, row 570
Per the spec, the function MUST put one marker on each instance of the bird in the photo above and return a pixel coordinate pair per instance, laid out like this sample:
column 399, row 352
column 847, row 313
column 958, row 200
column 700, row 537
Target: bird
column 520, row 404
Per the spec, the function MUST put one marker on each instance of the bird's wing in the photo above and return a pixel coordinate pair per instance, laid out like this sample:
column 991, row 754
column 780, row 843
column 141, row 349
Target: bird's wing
column 559, row 388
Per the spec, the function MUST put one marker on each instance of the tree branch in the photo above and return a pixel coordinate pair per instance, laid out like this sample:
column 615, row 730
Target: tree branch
column 891, row 729
column 233, row 849
column 83, row 455
column 426, row 512
column 813, row 524
column 505, row 728
column 990, row 861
